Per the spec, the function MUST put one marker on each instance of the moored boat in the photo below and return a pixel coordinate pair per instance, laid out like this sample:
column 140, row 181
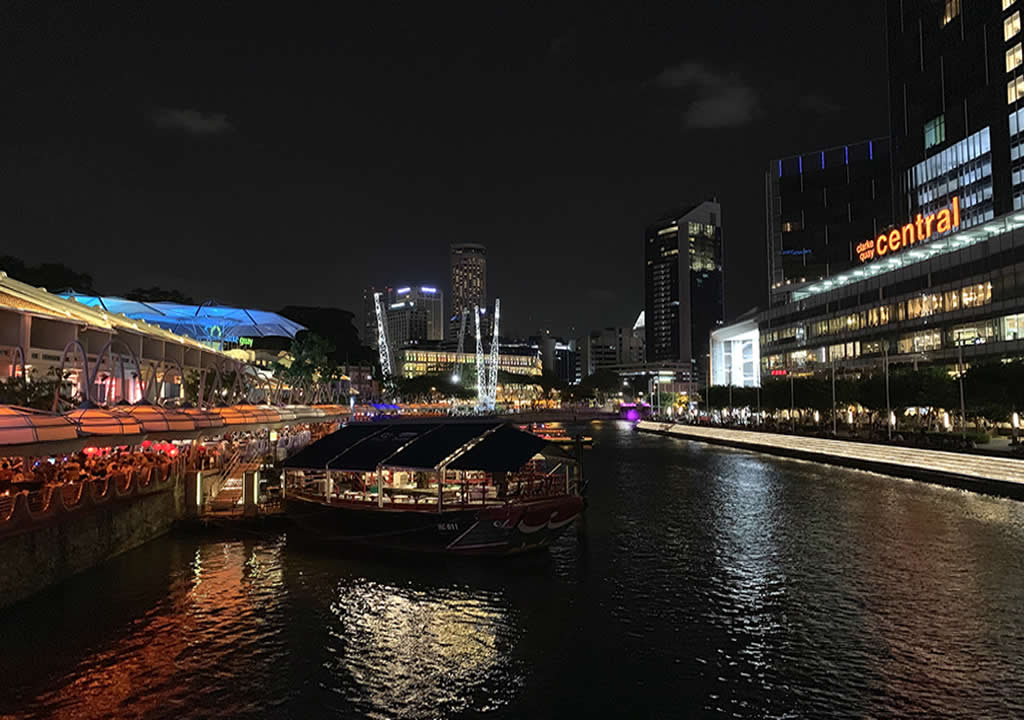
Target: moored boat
column 474, row 488
column 556, row 434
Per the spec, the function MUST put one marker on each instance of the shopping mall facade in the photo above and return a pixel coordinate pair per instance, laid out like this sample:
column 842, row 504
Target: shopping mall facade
column 913, row 298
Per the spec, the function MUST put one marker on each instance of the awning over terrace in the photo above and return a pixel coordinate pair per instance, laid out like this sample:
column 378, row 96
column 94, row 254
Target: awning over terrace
column 486, row 446
column 156, row 419
column 24, row 431
column 21, row 426
column 105, row 427
column 205, row 323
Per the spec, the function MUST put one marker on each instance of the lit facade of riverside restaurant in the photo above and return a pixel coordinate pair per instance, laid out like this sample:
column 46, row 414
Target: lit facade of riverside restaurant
column 921, row 293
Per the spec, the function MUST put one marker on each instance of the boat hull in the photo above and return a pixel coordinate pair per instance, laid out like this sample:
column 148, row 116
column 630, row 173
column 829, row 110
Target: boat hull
column 507, row 529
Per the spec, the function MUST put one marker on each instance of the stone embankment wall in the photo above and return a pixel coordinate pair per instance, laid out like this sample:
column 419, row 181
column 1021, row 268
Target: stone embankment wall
column 49, row 535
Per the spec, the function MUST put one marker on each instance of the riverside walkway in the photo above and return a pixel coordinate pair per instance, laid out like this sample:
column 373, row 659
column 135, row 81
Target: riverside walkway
column 970, row 471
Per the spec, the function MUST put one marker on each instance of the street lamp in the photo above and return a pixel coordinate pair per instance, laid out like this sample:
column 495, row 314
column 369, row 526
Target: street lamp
column 833, row 395
column 960, row 377
column 888, row 407
column 792, row 403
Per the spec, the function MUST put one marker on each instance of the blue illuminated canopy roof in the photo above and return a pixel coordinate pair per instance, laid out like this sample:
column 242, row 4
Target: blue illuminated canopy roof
column 207, row 322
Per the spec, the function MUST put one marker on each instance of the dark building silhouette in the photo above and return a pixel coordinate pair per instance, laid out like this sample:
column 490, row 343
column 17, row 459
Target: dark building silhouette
column 819, row 206
column 956, row 84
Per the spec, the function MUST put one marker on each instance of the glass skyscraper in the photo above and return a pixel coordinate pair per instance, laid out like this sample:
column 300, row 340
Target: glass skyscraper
column 956, row 84
column 683, row 285
column 819, row 205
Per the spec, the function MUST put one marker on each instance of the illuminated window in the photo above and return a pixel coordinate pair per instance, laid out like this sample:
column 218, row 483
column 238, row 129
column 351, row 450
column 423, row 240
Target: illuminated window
column 1013, row 327
column 1013, row 57
column 975, row 295
column 951, row 300
column 1011, row 25
column 951, row 11
column 935, row 132
column 972, row 334
column 920, row 342
column 1015, row 89
column 1008, row 3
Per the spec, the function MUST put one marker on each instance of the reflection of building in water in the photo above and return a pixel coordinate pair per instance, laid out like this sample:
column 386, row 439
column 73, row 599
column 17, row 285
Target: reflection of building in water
column 420, row 656
column 154, row 666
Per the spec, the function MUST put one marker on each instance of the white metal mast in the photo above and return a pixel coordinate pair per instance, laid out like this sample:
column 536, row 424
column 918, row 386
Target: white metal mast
column 382, row 340
column 492, row 371
column 481, row 378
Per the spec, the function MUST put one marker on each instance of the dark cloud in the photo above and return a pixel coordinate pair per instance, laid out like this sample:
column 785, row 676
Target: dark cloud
column 819, row 104
column 722, row 99
column 193, row 122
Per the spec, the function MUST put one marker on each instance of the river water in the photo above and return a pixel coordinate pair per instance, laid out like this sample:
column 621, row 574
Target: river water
column 703, row 582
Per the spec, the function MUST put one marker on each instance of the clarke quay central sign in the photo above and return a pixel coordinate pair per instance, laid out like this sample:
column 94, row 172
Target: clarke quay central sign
column 920, row 230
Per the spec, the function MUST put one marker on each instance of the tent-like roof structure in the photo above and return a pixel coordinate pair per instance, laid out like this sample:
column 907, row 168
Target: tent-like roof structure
column 377, row 448
column 487, row 446
column 442, row 443
column 321, row 452
column 506, row 449
column 25, row 426
column 21, row 297
column 206, row 323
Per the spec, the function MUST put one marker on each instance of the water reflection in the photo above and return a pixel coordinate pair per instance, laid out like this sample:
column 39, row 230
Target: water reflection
column 419, row 654
column 188, row 645
column 702, row 581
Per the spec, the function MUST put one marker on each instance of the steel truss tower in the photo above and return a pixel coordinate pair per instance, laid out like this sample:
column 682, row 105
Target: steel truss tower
column 382, row 341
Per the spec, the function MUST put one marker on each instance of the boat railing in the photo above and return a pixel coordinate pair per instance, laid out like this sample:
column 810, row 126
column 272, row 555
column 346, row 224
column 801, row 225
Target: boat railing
column 530, row 487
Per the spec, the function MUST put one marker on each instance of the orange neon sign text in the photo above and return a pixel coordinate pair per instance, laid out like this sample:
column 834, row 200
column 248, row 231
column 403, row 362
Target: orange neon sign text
column 920, row 230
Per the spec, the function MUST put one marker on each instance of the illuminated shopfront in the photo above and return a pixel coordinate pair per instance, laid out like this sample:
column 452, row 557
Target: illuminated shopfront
column 926, row 302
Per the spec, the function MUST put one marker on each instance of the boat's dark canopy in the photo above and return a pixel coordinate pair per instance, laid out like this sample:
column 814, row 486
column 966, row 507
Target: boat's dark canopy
column 380, row 446
column 439, row 444
column 504, row 450
column 318, row 454
column 485, row 446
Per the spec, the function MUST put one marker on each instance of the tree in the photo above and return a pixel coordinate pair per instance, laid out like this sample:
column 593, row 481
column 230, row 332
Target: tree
column 431, row 388
column 37, row 393
column 311, row 360
column 336, row 326
column 597, row 386
column 54, row 277
column 158, row 294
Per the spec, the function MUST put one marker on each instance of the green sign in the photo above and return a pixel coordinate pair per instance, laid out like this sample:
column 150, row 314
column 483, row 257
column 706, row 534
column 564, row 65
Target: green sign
column 244, row 342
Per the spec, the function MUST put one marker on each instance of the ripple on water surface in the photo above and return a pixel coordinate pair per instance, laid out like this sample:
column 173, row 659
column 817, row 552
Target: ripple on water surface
column 702, row 581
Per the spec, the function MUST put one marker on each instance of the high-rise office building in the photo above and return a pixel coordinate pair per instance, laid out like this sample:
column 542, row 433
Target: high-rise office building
column 469, row 284
column 956, row 84
column 407, row 324
column 819, row 205
column 683, row 285
column 941, row 286
column 609, row 348
column 427, row 298
column 415, row 313
column 558, row 357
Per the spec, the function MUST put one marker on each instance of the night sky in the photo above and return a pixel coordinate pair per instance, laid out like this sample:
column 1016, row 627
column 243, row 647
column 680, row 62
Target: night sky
column 262, row 155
